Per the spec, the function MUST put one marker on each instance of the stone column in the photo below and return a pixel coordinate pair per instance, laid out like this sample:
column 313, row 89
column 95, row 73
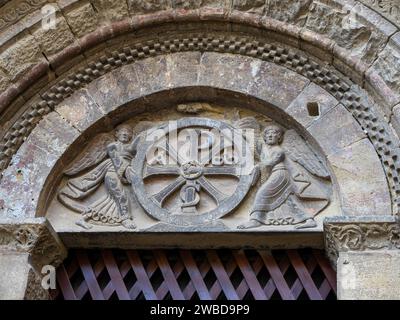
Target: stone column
column 366, row 254
column 25, row 247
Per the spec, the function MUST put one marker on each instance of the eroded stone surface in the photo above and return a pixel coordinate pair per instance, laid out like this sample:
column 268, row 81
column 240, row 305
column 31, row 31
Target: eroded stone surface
column 361, row 180
column 115, row 88
column 313, row 98
column 20, row 56
column 225, row 71
column 80, row 110
column 275, row 84
column 82, row 20
column 145, row 6
column 183, row 69
column 24, row 179
column 288, row 11
column 357, row 29
column 111, row 10
column 388, row 65
column 14, row 271
column 257, row 6
column 369, row 275
column 336, row 130
column 389, row 8
column 4, row 81
column 53, row 40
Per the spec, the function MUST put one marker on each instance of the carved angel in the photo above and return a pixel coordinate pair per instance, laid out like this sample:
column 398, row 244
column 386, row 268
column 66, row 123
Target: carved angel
column 292, row 187
column 112, row 160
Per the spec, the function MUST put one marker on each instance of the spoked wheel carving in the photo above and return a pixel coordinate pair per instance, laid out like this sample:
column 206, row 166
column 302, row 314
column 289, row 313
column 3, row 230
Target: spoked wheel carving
column 191, row 169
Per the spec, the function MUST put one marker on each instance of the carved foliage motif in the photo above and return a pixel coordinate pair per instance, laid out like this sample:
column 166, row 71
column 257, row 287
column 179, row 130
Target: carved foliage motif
column 359, row 236
column 11, row 14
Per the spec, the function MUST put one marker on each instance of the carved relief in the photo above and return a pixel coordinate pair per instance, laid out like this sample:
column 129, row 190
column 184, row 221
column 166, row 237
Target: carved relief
column 330, row 80
column 289, row 172
column 34, row 236
column 112, row 166
column 192, row 163
column 360, row 233
column 193, row 171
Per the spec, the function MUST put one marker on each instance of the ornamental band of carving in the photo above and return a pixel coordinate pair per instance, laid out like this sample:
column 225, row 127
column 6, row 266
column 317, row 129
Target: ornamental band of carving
column 324, row 76
column 354, row 234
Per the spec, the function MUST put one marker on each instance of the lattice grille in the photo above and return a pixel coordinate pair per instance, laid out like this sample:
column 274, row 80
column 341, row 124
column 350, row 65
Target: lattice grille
column 195, row 275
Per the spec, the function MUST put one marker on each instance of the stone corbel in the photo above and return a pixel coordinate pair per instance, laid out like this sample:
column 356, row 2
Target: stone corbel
column 365, row 252
column 25, row 247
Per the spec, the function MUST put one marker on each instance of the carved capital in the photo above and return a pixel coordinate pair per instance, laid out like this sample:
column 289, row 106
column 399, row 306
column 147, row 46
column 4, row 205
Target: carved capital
column 34, row 236
column 355, row 233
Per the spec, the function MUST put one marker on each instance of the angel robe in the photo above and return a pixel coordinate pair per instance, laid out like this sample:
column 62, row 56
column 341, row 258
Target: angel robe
column 113, row 207
column 277, row 201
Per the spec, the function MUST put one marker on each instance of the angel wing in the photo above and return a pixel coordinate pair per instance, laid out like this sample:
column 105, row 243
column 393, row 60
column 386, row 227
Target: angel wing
column 301, row 153
column 94, row 153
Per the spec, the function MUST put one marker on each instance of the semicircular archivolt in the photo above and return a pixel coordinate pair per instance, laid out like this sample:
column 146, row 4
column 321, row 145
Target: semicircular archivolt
column 350, row 95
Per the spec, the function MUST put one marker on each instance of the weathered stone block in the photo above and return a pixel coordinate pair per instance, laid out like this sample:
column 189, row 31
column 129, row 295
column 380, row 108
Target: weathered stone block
column 387, row 66
column 313, row 98
column 54, row 40
column 82, row 20
column 361, row 180
column 20, row 56
column 369, row 275
column 45, row 144
column 288, row 11
column 145, row 6
column 251, row 6
column 183, row 4
column 228, row 71
column 14, row 271
column 80, row 110
column 357, row 29
column 151, row 74
column 336, row 129
column 276, row 84
column 111, row 10
column 183, row 69
column 4, row 81
column 324, row 18
column 115, row 88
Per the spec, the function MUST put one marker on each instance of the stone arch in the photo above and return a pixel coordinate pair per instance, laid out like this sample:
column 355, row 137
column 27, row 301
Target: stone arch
column 109, row 98
column 42, row 72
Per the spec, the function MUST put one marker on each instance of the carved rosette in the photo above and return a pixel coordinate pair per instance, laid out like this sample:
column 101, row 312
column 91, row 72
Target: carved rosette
column 360, row 234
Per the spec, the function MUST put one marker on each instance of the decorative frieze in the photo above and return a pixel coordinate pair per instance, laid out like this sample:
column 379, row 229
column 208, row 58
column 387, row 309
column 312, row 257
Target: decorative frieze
column 353, row 233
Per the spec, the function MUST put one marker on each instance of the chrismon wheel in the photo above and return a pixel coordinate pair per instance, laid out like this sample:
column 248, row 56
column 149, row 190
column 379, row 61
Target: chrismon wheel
column 192, row 171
